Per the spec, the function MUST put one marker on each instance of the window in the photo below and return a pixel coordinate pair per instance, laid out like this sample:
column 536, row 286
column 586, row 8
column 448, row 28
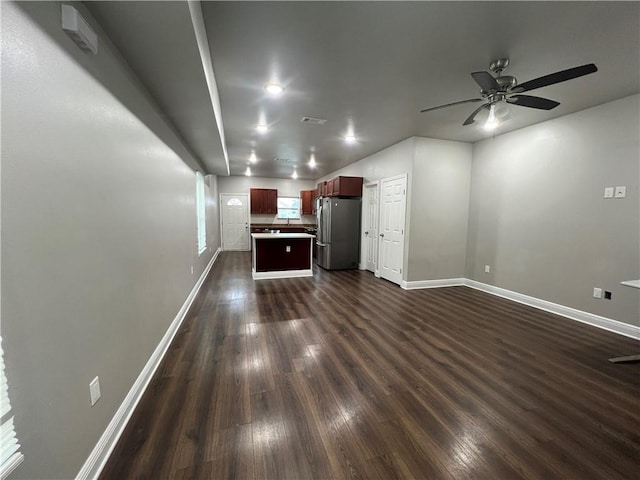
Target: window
column 288, row 207
column 200, row 212
column 10, row 456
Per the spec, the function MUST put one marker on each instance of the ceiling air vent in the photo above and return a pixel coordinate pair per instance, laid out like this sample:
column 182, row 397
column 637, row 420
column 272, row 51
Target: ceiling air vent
column 313, row 121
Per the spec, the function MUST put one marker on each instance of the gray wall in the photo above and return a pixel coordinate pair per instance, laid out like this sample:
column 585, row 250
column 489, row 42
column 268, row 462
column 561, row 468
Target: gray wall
column 538, row 216
column 98, row 234
column 440, row 209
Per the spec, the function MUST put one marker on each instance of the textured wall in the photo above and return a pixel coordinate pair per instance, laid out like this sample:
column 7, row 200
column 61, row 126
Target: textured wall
column 538, row 216
column 98, row 234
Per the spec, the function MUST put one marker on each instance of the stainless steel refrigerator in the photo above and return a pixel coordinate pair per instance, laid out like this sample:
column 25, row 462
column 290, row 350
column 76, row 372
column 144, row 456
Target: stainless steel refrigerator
column 338, row 237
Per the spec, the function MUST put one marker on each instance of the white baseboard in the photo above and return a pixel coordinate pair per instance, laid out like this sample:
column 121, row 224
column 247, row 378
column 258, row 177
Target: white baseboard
column 580, row 316
column 447, row 282
column 100, row 454
column 282, row 274
column 585, row 317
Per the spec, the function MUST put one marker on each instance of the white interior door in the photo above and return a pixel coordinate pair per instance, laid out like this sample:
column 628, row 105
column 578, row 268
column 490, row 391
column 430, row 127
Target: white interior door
column 370, row 206
column 235, row 221
column 393, row 203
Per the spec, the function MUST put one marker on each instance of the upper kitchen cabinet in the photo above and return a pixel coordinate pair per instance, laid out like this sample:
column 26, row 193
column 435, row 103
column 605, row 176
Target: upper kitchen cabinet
column 341, row 187
column 307, row 202
column 264, row 201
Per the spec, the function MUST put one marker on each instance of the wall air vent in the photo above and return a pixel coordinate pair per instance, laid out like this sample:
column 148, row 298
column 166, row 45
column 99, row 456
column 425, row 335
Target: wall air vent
column 282, row 160
column 79, row 30
column 313, row 121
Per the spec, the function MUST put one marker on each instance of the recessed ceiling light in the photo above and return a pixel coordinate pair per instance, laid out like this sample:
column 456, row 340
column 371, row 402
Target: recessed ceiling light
column 294, row 175
column 252, row 157
column 350, row 138
column 247, row 172
column 312, row 161
column 274, row 88
column 262, row 128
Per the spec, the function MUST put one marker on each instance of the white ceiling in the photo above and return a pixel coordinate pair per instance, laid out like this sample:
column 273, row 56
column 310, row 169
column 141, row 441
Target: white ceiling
column 371, row 65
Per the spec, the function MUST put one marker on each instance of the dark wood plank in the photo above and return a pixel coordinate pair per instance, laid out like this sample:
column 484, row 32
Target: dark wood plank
column 347, row 376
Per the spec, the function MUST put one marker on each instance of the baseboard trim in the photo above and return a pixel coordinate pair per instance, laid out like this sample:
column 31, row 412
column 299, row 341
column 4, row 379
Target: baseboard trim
column 281, row 274
column 447, row 282
column 605, row 323
column 592, row 319
column 98, row 458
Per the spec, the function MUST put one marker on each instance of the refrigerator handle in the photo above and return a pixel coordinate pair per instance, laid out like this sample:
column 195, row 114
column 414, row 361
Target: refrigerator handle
column 320, row 237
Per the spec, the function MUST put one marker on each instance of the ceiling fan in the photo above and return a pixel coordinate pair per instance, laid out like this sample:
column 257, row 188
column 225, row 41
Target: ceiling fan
column 505, row 88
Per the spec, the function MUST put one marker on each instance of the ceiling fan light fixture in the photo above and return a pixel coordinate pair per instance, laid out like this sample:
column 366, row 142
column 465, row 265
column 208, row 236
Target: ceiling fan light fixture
column 492, row 122
column 502, row 111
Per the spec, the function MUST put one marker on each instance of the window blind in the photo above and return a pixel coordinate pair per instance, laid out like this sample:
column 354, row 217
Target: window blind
column 10, row 456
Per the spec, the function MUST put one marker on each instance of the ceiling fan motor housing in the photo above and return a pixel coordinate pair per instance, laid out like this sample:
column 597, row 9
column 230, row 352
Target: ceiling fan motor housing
column 506, row 82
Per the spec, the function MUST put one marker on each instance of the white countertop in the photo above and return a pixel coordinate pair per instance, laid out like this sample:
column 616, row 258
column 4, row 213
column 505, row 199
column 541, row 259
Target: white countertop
column 272, row 236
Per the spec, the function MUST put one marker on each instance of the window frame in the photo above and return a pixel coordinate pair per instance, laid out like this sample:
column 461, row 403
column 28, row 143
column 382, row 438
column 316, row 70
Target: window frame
column 298, row 208
column 201, row 214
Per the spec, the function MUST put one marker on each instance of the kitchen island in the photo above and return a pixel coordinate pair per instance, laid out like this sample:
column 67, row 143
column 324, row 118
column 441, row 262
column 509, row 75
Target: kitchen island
column 281, row 255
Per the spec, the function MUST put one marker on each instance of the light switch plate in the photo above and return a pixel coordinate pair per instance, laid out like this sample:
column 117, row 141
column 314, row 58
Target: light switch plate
column 94, row 390
column 621, row 192
column 487, row 269
column 597, row 293
column 608, row 192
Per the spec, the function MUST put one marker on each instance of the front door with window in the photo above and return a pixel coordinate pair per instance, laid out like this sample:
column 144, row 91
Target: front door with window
column 235, row 221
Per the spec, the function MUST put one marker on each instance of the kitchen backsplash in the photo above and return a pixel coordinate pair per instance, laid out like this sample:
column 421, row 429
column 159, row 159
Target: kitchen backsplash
column 273, row 220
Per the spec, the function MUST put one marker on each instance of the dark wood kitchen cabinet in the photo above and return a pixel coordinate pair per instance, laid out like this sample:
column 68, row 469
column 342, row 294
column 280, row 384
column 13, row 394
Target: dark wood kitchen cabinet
column 341, row 187
column 346, row 187
column 307, row 202
column 264, row 201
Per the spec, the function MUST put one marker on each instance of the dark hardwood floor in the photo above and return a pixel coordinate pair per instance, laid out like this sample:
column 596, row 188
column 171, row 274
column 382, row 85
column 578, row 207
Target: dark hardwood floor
column 347, row 376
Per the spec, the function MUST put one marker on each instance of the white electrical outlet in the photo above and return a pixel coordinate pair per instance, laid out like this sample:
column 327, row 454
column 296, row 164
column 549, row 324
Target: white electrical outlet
column 288, row 249
column 621, row 192
column 608, row 192
column 487, row 269
column 597, row 293
column 94, row 390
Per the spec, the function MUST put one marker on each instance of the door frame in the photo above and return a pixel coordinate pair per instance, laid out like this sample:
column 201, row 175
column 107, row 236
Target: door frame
column 222, row 204
column 404, row 223
column 363, row 237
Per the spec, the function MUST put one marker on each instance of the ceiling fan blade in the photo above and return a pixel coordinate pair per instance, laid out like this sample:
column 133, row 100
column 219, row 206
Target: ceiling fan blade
column 557, row 77
column 471, row 117
column 485, row 80
column 451, row 104
column 533, row 102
